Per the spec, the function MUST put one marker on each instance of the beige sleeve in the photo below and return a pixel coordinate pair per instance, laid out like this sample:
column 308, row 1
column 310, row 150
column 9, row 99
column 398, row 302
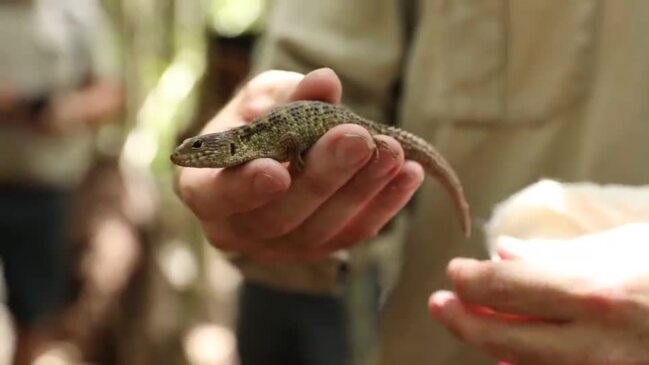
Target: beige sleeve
column 361, row 40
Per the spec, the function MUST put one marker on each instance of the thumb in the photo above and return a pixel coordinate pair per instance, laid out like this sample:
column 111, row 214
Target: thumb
column 322, row 84
column 275, row 87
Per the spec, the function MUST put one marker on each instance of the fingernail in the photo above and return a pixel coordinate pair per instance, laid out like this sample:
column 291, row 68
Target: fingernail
column 265, row 184
column 352, row 150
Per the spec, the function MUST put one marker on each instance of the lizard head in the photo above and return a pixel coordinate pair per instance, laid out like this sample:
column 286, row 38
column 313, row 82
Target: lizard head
column 209, row 150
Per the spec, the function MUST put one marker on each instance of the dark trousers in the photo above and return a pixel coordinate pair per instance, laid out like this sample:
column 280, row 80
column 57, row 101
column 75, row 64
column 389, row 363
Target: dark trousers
column 277, row 327
column 292, row 328
column 34, row 250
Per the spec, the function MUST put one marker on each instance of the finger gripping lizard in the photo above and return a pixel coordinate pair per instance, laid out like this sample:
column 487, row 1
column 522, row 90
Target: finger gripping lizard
column 286, row 132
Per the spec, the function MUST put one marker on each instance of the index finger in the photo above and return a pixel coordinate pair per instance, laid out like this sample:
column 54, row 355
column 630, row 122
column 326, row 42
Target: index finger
column 521, row 288
column 518, row 342
column 214, row 193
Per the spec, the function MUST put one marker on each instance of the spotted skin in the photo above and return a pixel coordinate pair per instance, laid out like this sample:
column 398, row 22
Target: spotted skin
column 286, row 132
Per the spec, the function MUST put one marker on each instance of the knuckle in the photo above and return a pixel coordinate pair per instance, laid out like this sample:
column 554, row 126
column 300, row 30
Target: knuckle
column 271, row 227
column 489, row 281
column 279, row 228
column 317, row 185
column 495, row 285
column 305, row 235
column 482, row 281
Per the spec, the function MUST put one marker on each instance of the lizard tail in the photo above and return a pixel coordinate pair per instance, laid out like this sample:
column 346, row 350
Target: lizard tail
column 435, row 164
column 448, row 179
column 418, row 149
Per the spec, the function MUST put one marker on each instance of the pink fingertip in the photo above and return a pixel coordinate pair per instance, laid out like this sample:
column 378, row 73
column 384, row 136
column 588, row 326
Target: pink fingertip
column 256, row 107
column 321, row 84
column 439, row 300
column 414, row 176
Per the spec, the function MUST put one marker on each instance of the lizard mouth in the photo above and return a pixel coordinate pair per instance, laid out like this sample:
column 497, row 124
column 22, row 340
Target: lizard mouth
column 183, row 160
column 176, row 158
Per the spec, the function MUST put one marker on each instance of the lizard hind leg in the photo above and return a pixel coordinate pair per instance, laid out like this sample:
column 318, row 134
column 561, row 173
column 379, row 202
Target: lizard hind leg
column 290, row 143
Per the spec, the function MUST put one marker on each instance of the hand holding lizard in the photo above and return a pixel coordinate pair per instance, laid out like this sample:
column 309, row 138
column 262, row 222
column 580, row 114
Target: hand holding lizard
column 341, row 197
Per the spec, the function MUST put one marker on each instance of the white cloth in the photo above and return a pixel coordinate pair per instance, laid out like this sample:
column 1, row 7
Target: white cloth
column 553, row 210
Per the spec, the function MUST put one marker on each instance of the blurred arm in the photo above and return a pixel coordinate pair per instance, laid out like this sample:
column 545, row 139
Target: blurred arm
column 89, row 106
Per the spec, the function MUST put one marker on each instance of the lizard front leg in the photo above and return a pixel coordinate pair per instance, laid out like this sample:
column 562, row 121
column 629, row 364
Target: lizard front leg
column 290, row 141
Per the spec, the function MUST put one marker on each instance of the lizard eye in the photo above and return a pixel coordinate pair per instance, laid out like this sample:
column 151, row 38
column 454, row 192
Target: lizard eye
column 233, row 149
column 197, row 144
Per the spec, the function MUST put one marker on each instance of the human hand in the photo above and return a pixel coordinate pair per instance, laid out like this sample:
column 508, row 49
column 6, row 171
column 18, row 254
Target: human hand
column 341, row 197
column 83, row 108
column 578, row 301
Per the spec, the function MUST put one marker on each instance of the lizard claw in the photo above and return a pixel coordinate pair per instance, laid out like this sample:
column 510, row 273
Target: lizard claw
column 380, row 144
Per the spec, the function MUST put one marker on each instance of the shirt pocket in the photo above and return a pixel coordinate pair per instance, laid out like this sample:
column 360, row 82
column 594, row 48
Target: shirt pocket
column 502, row 61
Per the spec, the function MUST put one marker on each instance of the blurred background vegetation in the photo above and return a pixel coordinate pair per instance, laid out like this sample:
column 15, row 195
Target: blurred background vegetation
column 166, row 298
column 182, row 59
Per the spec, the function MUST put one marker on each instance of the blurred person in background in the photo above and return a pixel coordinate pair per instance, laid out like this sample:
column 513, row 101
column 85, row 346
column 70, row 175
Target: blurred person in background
column 509, row 91
column 58, row 81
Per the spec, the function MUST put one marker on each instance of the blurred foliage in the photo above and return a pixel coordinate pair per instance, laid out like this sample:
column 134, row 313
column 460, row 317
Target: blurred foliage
column 231, row 18
column 178, row 306
column 164, row 59
column 163, row 46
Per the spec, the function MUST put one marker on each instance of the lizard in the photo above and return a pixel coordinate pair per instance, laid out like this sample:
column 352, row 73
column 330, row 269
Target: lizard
column 287, row 131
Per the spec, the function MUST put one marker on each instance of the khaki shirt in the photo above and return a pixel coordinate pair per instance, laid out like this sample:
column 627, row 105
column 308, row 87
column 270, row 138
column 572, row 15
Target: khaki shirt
column 509, row 91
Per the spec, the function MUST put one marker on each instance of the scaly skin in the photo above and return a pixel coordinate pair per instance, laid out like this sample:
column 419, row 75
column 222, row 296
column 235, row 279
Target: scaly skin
column 286, row 132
